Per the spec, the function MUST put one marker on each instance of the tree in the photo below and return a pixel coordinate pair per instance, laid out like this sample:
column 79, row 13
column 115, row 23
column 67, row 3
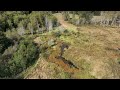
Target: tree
column 10, row 24
column 19, row 58
column 87, row 15
column 4, row 42
column 30, row 28
column 21, row 30
column 24, row 57
column 66, row 16
column 31, row 53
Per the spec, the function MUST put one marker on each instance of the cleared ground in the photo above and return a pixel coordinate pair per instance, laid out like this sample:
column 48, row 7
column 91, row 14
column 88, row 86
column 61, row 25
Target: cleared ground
column 93, row 49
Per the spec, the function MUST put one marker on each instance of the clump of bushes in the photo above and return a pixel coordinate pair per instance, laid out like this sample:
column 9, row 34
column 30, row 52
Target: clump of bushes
column 4, row 42
column 13, row 35
column 23, row 57
column 57, row 34
column 62, row 31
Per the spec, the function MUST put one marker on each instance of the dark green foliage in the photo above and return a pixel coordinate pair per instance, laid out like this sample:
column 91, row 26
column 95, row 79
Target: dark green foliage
column 4, row 70
column 66, row 16
column 55, row 23
column 4, row 42
column 21, row 61
column 17, row 58
column 96, row 13
column 66, row 31
column 87, row 15
column 57, row 34
column 13, row 35
column 10, row 19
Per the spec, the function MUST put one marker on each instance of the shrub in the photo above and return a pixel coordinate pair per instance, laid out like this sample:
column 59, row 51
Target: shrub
column 4, row 42
column 8, row 53
column 4, row 70
column 57, row 34
column 13, row 35
column 55, row 22
column 66, row 16
column 46, row 54
column 23, row 57
column 118, row 60
column 66, row 31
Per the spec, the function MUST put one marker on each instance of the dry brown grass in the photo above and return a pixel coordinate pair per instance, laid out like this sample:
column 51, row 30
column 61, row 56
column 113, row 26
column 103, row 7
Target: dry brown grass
column 96, row 46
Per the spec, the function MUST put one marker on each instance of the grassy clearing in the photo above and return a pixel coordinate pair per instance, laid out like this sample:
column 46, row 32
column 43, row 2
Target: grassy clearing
column 91, row 49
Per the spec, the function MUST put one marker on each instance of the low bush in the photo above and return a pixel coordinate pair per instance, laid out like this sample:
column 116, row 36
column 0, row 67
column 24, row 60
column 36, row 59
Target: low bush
column 57, row 34
column 4, row 42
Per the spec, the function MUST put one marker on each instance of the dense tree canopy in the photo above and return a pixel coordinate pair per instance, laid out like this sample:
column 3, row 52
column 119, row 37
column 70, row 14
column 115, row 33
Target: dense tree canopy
column 21, row 61
column 21, row 19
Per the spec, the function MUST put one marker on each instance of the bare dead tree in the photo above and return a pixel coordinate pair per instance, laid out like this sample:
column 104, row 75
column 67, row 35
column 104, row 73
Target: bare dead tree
column 46, row 23
column 50, row 25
